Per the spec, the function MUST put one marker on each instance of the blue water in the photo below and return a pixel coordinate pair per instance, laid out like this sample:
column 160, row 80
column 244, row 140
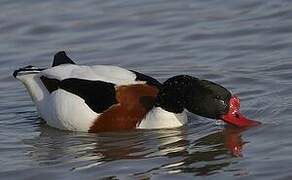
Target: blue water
column 243, row 45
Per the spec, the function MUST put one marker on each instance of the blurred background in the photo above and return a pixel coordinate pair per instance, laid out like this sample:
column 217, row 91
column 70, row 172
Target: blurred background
column 242, row 45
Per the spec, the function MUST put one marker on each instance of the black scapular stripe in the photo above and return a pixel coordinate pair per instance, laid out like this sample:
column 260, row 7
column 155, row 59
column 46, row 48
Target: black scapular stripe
column 149, row 80
column 50, row 84
column 61, row 58
column 98, row 95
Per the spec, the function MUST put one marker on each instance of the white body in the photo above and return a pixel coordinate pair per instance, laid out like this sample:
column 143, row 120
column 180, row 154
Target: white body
column 64, row 110
column 158, row 118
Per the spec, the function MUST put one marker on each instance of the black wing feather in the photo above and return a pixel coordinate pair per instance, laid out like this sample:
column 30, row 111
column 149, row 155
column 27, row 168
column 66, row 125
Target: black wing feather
column 149, row 80
column 61, row 58
column 98, row 95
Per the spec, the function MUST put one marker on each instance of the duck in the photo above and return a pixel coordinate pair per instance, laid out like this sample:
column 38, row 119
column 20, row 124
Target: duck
column 102, row 98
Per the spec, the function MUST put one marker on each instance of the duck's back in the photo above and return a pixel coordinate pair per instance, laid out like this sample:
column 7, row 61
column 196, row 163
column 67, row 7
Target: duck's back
column 111, row 74
column 73, row 97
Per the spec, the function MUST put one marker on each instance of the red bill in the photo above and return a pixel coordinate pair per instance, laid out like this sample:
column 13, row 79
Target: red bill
column 234, row 117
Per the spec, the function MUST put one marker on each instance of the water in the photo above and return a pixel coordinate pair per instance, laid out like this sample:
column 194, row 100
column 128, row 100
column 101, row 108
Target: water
column 243, row 45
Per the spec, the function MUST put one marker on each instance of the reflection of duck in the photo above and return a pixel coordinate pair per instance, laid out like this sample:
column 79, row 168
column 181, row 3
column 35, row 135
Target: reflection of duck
column 184, row 150
column 207, row 154
column 106, row 98
column 233, row 141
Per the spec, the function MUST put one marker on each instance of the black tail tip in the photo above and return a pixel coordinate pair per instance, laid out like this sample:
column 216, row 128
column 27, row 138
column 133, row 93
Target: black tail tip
column 30, row 69
column 15, row 73
column 22, row 69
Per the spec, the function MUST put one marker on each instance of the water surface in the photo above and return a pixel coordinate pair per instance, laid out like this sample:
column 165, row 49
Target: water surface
column 243, row 45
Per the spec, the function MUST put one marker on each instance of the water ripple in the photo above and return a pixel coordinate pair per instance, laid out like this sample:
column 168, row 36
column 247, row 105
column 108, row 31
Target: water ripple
column 243, row 45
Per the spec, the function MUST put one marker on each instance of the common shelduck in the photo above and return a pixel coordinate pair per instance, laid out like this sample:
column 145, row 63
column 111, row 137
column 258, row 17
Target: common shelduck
column 108, row 98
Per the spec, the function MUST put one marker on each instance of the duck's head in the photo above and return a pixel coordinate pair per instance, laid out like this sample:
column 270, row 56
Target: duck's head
column 203, row 98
